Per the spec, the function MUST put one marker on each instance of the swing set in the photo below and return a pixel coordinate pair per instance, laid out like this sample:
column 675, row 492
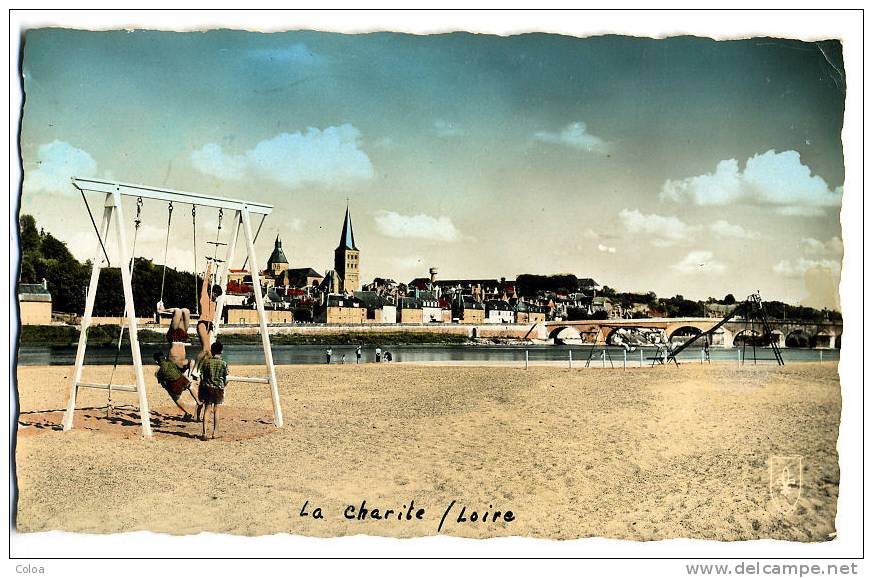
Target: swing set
column 113, row 211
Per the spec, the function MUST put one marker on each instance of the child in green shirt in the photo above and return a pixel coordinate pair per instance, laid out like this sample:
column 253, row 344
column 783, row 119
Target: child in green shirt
column 213, row 379
column 171, row 379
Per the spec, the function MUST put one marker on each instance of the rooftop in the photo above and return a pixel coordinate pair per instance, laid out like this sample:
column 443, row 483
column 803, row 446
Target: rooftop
column 347, row 237
column 33, row 292
column 278, row 255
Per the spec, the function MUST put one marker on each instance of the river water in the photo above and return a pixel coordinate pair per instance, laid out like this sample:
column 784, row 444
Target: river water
column 300, row 354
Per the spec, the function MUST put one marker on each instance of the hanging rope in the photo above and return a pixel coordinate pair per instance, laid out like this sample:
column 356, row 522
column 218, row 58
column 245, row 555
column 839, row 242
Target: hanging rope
column 166, row 247
column 196, row 293
column 94, row 224
column 218, row 234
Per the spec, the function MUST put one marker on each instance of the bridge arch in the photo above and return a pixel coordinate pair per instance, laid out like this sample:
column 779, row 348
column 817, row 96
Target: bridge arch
column 798, row 338
column 630, row 335
column 749, row 337
column 701, row 325
column 684, row 333
column 563, row 332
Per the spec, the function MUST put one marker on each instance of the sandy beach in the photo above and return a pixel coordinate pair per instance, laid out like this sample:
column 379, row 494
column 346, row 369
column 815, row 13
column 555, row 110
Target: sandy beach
column 642, row 454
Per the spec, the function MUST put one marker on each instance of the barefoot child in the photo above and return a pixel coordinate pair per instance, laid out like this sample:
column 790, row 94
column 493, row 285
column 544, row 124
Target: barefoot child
column 209, row 294
column 177, row 336
column 213, row 379
column 171, row 379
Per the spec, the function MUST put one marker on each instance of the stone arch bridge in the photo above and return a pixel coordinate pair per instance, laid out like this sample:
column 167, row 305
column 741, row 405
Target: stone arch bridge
column 789, row 333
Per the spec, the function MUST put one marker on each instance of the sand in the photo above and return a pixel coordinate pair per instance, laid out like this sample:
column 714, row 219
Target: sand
column 642, row 454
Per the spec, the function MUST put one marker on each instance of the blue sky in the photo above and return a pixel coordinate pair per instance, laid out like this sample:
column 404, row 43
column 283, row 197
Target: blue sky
column 683, row 165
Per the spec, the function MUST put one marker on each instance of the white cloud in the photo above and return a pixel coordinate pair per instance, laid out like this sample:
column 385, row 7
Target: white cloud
column 661, row 231
column 771, row 178
column 815, row 247
column 604, row 249
column 575, row 135
column 699, row 262
column 399, row 226
column 212, row 160
column 329, row 157
column 799, row 267
column 447, row 129
column 724, row 229
column 801, row 211
column 57, row 162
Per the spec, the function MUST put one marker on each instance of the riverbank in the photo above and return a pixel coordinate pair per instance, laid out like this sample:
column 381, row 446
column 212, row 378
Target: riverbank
column 643, row 454
column 101, row 335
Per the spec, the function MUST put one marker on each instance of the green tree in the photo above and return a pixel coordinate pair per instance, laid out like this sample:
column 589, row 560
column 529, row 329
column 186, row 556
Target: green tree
column 28, row 234
column 528, row 285
column 54, row 249
column 45, row 256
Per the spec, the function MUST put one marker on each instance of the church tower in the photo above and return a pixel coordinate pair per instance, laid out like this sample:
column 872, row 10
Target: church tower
column 346, row 258
column 277, row 263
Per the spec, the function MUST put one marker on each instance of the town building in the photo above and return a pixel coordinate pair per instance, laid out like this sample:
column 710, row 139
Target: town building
column 34, row 303
column 528, row 313
column 600, row 304
column 341, row 309
column 249, row 316
column 347, row 259
column 379, row 308
column 382, row 286
column 499, row 311
column 589, row 286
column 431, row 312
column 467, row 311
column 409, row 310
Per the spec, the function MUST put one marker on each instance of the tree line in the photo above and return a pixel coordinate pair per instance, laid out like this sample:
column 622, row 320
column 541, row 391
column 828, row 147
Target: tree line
column 43, row 256
column 528, row 285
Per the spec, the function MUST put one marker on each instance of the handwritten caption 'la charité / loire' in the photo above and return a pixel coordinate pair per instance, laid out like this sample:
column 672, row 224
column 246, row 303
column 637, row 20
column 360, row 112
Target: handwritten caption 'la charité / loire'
column 453, row 513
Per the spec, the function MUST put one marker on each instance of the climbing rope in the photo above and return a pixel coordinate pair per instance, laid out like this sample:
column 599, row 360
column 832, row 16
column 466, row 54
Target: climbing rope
column 196, row 293
column 166, row 247
column 218, row 234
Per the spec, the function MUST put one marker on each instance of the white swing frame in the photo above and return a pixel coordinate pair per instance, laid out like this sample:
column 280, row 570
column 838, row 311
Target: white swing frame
column 113, row 210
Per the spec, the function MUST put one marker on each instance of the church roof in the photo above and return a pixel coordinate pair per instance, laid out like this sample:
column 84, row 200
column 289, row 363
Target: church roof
column 299, row 277
column 347, row 237
column 278, row 255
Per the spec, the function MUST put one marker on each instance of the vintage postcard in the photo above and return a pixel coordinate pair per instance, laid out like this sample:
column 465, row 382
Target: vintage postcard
column 469, row 285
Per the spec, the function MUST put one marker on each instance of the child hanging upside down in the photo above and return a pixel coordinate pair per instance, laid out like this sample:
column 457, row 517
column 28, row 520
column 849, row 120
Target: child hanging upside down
column 172, row 380
column 209, row 295
column 212, row 383
column 177, row 336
